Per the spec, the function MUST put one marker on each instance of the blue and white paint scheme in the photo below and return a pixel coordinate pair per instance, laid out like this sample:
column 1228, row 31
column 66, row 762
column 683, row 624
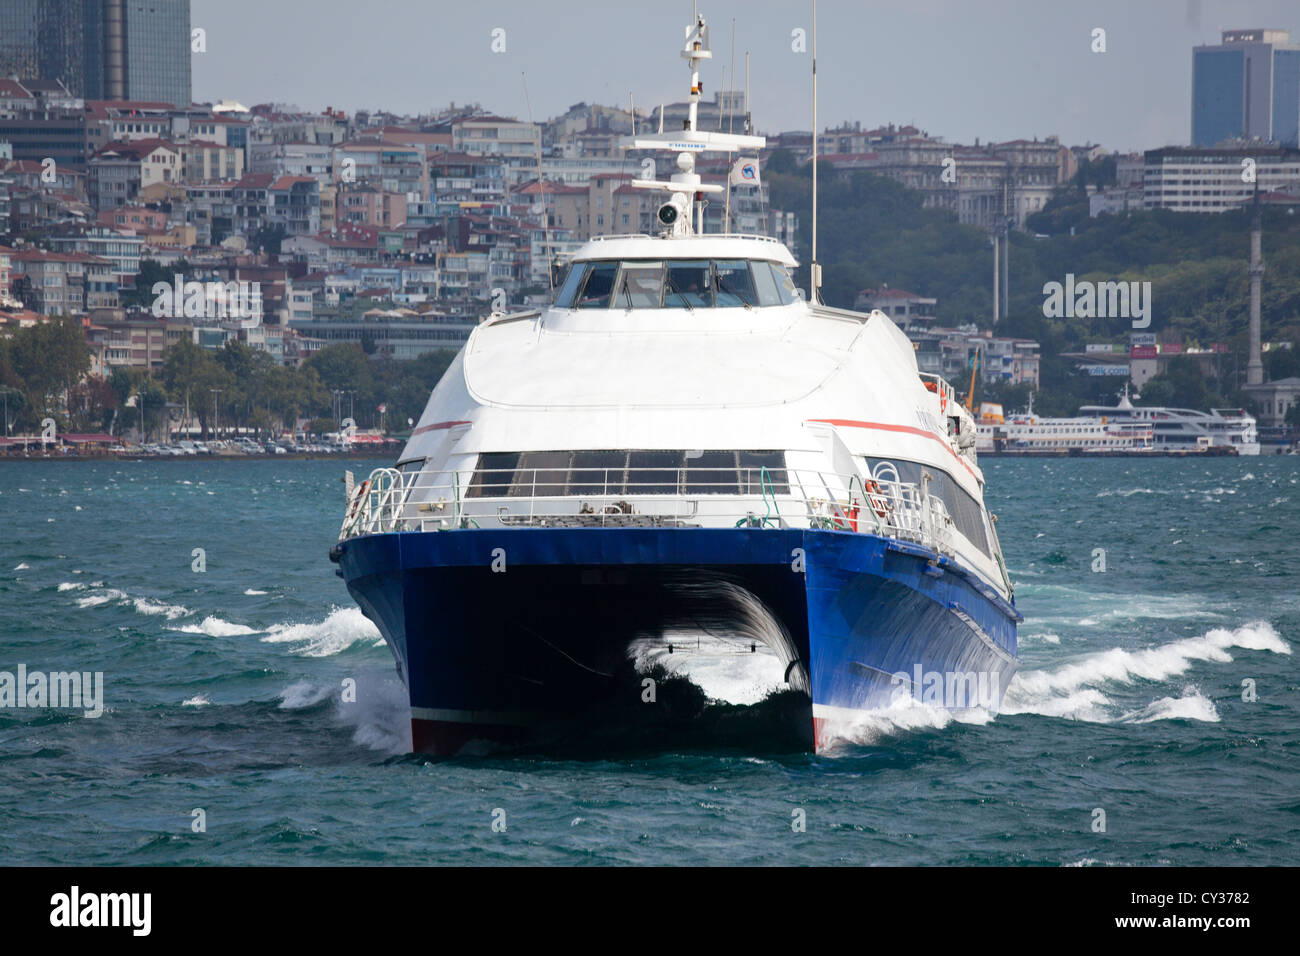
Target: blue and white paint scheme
column 681, row 440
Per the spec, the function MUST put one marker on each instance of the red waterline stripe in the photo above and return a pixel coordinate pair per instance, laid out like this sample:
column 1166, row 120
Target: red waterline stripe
column 436, row 426
column 906, row 429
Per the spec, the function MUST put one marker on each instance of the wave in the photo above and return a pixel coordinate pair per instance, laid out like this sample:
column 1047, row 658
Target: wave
column 143, row 605
column 198, row 700
column 1193, row 705
column 380, row 715
column 104, row 597
column 23, row 566
column 1071, row 689
column 253, row 591
column 216, row 627
column 151, row 607
column 343, row 627
column 901, row 716
column 304, row 694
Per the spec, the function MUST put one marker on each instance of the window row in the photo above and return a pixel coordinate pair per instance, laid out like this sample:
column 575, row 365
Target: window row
column 676, row 284
column 617, row 472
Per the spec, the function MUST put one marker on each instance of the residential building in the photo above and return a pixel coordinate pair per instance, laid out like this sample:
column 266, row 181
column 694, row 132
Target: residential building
column 63, row 283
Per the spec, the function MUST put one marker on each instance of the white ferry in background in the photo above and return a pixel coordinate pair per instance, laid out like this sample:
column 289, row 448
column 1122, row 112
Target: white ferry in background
column 1029, row 434
column 1220, row 430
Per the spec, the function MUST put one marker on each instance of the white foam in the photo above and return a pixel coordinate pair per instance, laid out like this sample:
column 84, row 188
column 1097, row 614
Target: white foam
column 198, row 700
column 253, row 591
column 23, row 566
column 343, row 627
column 216, row 627
column 1048, row 638
column 303, row 694
column 71, row 585
column 725, row 669
column 104, row 597
column 151, row 607
column 380, row 716
column 1193, row 705
column 903, row 715
column 1069, row 690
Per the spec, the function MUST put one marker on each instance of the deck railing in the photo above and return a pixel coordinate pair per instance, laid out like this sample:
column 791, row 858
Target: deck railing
column 624, row 496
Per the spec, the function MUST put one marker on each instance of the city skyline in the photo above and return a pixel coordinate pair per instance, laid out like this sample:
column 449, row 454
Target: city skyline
column 1042, row 77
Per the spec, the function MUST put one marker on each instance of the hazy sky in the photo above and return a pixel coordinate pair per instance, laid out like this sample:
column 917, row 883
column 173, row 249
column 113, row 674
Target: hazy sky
column 960, row 69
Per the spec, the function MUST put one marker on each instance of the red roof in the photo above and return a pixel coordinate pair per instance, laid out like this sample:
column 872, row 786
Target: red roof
column 285, row 182
column 11, row 87
column 256, row 181
column 137, row 148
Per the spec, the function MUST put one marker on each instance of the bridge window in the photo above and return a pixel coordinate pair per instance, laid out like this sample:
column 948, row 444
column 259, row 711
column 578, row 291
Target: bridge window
column 640, row 285
column 689, row 285
column 599, row 284
column 734, row 283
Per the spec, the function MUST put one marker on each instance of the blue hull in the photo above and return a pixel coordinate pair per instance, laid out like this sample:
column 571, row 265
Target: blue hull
column 497, row 632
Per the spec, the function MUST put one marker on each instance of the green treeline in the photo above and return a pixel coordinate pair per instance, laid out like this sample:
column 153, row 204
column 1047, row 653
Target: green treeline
column 872, row 231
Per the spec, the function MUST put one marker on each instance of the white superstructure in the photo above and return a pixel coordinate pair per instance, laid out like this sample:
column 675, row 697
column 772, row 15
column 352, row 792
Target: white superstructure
column 683, row 379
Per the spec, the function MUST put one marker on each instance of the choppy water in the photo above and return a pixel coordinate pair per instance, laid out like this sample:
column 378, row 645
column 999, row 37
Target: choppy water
column 222, row 692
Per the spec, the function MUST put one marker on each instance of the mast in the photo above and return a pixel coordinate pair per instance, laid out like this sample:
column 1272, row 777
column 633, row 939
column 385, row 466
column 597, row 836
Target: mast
column 814, row 268
column 685, row 186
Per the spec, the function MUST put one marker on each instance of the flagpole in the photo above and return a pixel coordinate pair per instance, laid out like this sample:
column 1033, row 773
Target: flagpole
column 726, row 216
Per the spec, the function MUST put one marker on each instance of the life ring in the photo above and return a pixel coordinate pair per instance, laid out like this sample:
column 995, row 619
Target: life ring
column 879, row 503
column 361, row 492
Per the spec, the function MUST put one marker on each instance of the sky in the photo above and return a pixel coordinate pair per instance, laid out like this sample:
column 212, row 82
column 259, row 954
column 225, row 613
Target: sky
column 958, row 69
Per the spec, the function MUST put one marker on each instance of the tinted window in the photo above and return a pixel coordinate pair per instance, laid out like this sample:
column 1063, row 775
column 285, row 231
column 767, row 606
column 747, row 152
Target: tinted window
column 570, row 287
column 640, row 286
column 653, row 472
column 600, row 283
column 765, row 284
column 734, row 284
column 597, row 472
column 689, row 285
column 784, row 283
column 493, row 475
column 617, row 472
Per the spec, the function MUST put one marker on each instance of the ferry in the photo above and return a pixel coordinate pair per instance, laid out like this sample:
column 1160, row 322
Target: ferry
column 682, row 441
column 1029, row 434
column 1220, row 430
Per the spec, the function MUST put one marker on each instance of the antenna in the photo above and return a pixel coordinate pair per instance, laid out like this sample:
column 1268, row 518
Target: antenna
column 541, row 191
column 814, row 268
column 748, row 125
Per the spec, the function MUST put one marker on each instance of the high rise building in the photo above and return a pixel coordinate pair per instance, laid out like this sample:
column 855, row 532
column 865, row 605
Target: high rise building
column 1247, row 87
column 100, row 49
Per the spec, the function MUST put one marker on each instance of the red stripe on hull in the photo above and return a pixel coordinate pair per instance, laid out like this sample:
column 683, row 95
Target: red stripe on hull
column 446, row 738
column 819, row 734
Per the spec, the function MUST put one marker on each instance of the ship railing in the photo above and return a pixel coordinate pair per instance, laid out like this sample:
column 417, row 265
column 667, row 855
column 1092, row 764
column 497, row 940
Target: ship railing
column 623, row 496
column 939, row 385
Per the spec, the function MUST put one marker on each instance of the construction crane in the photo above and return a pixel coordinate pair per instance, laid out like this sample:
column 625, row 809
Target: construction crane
column 970, row 395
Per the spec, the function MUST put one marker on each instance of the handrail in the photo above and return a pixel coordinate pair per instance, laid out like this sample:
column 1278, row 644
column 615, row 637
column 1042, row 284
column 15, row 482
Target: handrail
column 630, row 496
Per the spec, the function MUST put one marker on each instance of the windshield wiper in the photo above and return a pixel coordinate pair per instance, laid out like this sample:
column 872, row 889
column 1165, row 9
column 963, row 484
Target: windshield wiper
column 668, row 280
column 723, row 288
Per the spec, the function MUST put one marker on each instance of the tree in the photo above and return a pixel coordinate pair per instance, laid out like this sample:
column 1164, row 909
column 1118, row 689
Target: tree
column 1181, row 385
column 49, row 358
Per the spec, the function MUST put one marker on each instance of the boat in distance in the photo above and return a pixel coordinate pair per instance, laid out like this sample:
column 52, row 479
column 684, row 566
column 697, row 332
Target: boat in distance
column 682, row 442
